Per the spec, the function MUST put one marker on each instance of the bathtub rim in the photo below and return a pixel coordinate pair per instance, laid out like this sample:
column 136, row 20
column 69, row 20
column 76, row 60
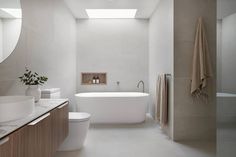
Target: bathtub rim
column 112, row 94
column 225, row 95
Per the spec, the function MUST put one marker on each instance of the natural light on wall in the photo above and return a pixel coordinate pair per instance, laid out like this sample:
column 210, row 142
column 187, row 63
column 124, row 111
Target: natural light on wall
column 111, row 13
column 16, row 13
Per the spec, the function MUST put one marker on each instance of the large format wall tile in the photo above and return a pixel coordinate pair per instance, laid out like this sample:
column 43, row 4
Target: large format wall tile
column 186, row 13
column 194, row 128
column 193, row 118
column 47, row 45
column 161, row 38
column 183, row 58
column 119, row 48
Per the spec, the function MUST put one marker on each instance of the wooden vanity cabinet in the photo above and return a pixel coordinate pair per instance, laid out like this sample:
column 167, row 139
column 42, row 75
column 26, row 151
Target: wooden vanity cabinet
column 5, row 147
column 63, row 122
column 15, row 145
column 55, row 130
column 40, row 138
column 19, row 143
column 60, row 125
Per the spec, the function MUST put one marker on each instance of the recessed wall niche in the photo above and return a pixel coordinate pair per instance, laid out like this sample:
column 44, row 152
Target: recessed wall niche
column 93, row 78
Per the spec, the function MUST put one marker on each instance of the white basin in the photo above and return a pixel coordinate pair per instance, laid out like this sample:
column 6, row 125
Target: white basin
column 15, row 107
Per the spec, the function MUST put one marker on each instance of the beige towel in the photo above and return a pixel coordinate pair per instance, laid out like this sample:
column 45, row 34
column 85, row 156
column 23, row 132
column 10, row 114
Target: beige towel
column 201, row 69
column 162, row 100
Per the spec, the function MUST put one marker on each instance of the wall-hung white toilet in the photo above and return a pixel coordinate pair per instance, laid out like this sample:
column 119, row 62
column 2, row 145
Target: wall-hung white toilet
column 78, row 125
column 78, row 128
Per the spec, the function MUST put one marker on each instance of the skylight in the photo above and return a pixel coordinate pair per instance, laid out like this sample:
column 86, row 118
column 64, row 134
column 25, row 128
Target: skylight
column 16, row 13
column 111, row 13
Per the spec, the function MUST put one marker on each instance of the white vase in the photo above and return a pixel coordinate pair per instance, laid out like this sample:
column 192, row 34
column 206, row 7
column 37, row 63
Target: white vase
column 33, row 90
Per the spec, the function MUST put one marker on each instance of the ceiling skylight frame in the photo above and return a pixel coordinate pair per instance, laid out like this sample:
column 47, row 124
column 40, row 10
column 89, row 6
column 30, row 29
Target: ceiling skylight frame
column 111, row 13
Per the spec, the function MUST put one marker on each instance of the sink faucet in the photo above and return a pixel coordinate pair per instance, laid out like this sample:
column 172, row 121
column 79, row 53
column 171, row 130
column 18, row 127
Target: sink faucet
column 141, row 82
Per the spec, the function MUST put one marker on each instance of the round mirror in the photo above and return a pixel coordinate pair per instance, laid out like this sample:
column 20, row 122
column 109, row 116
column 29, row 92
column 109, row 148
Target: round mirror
column 10, row 26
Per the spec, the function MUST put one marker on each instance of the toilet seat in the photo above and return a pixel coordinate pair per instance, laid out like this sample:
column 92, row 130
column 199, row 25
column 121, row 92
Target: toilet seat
column 78, row 116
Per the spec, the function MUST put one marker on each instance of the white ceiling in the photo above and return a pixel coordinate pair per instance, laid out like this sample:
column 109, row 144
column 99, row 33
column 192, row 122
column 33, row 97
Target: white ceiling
column 145, row 7
column 225, row 8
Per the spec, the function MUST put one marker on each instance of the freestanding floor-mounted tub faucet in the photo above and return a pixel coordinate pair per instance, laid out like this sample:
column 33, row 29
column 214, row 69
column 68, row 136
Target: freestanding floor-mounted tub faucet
column 141, row 82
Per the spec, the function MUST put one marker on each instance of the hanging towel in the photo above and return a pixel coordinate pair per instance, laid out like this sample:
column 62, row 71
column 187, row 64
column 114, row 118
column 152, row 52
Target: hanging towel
column 162, row 100
column 201, row 69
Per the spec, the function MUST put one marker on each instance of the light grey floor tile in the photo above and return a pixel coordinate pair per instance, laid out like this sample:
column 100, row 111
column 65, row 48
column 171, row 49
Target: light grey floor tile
column 138, row 140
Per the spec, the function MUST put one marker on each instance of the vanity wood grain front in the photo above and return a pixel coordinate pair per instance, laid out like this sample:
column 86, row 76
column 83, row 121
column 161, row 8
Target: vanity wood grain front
column 5, row 147
column 40, row 138
column 60, row 125
column 63, row 123
column 16, row 144
column 40, row 134
column 19, row 143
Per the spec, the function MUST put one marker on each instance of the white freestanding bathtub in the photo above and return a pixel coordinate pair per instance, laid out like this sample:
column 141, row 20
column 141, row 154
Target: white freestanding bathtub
column 113, row 107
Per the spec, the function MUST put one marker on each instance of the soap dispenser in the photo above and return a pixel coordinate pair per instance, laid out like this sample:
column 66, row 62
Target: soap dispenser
column 94, row 80
column 97, row 80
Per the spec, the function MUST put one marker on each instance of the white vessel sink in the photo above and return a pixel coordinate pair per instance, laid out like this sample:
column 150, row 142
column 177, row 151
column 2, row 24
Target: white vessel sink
column 15, row 107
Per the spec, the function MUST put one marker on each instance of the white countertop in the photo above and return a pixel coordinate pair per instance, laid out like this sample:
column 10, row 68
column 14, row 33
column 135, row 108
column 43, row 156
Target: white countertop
column 42, row 107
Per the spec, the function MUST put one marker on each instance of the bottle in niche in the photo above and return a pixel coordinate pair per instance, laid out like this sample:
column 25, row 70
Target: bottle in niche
column 97, row 80
column 94, row 80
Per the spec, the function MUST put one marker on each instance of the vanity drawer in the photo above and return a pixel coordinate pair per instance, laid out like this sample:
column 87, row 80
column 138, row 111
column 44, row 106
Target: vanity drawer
column 60, row 125
column 5, row 147
column 40, row 137
column 16, row 144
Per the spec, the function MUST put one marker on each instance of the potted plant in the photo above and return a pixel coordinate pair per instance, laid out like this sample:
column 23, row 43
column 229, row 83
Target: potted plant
column 33, row 80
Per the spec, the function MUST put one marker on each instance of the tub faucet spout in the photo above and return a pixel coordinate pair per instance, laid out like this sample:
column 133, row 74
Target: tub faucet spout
column 141, row 82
